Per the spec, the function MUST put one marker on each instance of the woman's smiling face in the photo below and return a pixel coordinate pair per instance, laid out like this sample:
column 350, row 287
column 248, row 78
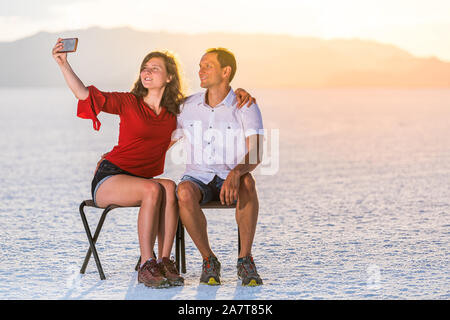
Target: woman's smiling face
column 154, row 74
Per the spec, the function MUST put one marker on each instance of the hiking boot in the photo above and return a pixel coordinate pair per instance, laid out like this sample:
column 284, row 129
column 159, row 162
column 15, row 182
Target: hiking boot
column 169, row 270
column 210, row 271
column 150, row 275
column 246, row 271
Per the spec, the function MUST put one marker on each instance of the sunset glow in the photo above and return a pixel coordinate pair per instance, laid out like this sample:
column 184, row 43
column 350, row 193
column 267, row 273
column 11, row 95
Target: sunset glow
column 415, row 25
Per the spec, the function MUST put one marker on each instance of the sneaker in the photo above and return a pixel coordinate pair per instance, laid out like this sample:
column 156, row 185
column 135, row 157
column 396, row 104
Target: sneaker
column 246, row 271
column 150, row 275
column 169, row 270
column 210, row 271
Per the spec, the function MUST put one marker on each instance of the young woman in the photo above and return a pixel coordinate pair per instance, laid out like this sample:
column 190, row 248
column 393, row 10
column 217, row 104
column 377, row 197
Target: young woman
column 125, row 176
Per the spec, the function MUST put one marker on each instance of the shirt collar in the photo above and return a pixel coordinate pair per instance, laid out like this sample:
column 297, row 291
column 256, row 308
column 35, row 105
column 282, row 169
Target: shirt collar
column 229, row 100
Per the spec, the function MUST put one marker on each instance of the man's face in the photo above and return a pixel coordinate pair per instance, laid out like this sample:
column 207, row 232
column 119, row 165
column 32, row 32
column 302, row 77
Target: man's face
column 210, row 73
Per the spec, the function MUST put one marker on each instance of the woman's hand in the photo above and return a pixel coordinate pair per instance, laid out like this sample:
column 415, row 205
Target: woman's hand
column 243, row 97
column 78, row 88
column 60, row 57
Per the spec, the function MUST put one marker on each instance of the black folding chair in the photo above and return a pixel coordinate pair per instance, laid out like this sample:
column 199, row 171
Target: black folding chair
column 93, row 239
column 180, row 256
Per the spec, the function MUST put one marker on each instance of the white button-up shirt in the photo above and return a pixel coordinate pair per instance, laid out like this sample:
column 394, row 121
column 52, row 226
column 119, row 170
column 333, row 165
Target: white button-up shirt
column 215, row 137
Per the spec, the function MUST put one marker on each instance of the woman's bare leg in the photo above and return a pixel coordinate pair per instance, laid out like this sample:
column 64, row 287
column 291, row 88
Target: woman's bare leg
column 124, row 190
column 168, row 221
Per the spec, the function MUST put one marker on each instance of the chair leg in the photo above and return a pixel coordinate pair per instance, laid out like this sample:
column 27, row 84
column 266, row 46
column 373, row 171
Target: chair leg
column 239, row 243
column 96, row 234
column 177, row 246
column 91, row 240
column 182, row 250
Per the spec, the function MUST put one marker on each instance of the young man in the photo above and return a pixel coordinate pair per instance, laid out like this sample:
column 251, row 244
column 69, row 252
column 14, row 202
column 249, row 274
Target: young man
column 222, row 144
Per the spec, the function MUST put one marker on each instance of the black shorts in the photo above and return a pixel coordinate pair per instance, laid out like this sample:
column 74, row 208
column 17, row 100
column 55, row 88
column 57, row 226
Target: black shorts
column 105, row 170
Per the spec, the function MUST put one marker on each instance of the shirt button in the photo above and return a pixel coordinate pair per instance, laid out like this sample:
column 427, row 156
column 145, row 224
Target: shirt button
column 210, row 127
column 212, row 110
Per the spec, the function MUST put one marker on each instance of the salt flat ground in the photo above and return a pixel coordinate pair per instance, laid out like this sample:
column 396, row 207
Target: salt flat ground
column 358, row 208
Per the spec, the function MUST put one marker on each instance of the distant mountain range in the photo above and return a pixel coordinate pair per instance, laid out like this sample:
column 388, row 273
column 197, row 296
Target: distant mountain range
column 110, row 58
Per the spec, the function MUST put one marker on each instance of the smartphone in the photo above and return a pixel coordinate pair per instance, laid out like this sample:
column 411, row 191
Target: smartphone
column 70, row 45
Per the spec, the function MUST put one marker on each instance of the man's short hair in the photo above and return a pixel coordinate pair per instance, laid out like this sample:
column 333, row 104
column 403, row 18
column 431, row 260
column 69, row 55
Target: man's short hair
column 226, row 59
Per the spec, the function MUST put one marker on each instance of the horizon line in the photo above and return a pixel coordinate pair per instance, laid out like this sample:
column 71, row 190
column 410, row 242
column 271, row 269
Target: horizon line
column 235, row 33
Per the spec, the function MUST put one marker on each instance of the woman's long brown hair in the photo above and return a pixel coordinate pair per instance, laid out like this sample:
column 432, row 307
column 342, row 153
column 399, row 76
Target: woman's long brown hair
column 173, row 94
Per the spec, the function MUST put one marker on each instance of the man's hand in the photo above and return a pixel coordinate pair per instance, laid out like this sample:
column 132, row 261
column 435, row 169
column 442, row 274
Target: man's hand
column 243, row 97
column 100, row 161
column 230, row 188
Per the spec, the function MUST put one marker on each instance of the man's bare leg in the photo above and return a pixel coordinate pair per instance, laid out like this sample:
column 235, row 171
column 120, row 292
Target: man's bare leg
column 192, row 216
column 247, row 213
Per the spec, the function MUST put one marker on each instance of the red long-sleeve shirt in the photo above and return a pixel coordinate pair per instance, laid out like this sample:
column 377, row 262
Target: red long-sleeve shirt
column 143, row 136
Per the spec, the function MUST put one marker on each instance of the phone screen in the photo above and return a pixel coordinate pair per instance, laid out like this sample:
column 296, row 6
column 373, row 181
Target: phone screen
column 70, row 45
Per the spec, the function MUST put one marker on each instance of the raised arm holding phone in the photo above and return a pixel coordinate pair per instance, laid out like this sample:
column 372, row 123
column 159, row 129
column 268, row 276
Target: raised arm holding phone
column 72, row 80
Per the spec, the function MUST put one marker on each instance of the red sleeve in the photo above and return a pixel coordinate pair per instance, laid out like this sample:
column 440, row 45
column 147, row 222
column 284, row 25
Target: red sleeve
column 110, row 102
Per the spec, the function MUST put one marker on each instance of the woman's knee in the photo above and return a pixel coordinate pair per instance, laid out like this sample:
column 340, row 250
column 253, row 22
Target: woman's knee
column 151, row 191
column 169, row 190
column 169, row 186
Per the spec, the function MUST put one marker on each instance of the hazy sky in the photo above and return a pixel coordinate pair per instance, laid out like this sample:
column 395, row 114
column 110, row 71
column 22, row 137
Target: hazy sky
column 419, row 26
